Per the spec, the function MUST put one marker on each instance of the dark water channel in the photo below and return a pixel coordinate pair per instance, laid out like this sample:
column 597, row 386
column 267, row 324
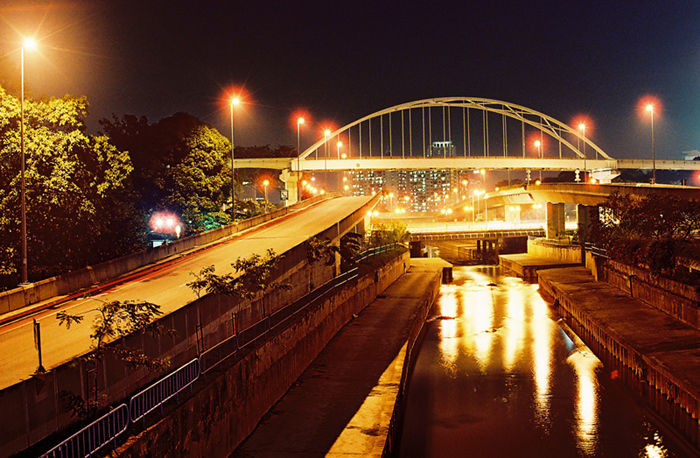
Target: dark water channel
column 496, row 376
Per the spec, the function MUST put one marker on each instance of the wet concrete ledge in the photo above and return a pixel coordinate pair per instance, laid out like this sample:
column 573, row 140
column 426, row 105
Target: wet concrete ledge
column 345, row 401
column 526, row 265
column 657, row 354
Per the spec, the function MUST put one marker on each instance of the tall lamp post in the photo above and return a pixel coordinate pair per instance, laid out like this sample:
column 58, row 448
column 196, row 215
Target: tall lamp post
column 30, row 44
column 582, row 128
column 265, row 184
column 650, row 109
column 234, row 101
column 300, row 121
column 538, row 145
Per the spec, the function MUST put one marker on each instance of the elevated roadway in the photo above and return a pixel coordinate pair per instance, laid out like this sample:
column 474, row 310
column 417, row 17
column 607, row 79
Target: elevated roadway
column 165, row 285
column 582, row 193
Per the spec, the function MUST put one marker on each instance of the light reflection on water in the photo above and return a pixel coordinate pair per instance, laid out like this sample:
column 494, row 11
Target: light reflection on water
column 496, row 376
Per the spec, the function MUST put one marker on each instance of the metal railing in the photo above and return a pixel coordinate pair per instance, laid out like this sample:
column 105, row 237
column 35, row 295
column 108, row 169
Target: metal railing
column 373, row 251
column 155, row 395
column 94, row 436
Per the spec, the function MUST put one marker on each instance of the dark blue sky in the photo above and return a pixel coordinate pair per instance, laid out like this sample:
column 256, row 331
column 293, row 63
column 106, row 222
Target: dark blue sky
column 344, row 60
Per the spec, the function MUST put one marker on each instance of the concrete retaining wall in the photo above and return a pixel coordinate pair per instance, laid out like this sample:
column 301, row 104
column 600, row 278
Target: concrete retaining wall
column 678, row 300
column 43, row 290
column 220, row 416
column 565, row 253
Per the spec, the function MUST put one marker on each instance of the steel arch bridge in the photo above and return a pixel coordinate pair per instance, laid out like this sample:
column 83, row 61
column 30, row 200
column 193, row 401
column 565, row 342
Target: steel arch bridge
column 562, row 133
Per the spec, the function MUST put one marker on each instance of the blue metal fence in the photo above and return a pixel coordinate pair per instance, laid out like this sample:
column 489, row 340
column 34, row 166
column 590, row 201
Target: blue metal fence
column 94, row 436
column 155, row 395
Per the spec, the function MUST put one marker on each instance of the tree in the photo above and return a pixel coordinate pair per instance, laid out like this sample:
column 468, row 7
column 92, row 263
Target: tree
column 116, row 320
column 250, row 277
column 651, row 232
column 76, row 199
column 393, row 232
column 181, row 165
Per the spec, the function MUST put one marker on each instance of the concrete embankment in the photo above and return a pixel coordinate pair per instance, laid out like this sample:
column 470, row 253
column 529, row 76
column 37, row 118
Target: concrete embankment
column 227, row 408
column 342, row 405
column 654, row 353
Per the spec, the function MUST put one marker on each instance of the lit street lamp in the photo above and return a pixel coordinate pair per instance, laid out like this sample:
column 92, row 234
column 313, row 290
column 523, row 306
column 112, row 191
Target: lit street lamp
column 538, row 145
column 300, row 121
column 265, row 184
column 30, row 44
column 650, row 109
column 326, row 134
column 234, row 101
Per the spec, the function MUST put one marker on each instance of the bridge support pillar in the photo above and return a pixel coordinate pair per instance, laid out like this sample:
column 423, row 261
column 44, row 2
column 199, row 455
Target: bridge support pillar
column 556, row 220
column 291, row 185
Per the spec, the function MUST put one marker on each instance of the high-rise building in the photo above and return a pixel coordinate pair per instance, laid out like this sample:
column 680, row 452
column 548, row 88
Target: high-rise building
column 427, row 190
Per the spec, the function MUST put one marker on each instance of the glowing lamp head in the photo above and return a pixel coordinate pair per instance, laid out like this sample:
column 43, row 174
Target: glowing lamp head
column 340, row 144
column 344, row 155
column 582, row 127
column 266, row 182
column 300, row 121
column 235, row 101
column 650, row 108
column 29, row 43
column 538, row 143
column 327, row 133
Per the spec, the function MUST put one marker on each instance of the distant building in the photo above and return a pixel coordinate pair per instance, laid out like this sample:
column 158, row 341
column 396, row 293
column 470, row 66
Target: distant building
column 427, row 190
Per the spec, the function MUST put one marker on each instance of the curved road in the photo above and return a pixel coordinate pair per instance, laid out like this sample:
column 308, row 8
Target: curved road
column 165, row 287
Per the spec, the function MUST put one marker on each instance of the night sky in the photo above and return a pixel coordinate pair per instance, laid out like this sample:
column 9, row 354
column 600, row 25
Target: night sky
column 340, row 61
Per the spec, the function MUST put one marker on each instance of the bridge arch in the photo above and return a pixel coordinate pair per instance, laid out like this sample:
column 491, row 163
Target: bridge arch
column 562, row 133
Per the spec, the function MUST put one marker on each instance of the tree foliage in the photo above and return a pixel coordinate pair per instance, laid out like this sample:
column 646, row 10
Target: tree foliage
column 651, row 232
column 181, row 165
column 76, row 199
column 250, row 277
column 392, row 232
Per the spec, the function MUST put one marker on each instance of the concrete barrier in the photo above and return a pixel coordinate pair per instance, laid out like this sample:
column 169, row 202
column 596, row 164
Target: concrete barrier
column 566, row 253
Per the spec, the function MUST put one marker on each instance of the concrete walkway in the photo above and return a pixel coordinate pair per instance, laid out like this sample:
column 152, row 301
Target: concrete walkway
column 663, row 350
column 341, row 405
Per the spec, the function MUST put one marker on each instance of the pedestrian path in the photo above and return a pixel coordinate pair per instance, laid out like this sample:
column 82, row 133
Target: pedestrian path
column 342, row 404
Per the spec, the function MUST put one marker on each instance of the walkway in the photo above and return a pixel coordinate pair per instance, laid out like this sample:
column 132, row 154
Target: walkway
column 341, row 405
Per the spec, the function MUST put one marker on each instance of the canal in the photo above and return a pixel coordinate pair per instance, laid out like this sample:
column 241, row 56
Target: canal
column 497, row 376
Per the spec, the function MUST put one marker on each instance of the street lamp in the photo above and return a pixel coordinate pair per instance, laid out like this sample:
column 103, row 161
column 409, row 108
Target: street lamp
column 650, row 109
column 234, row 101
column 30, row 44
column 538, row 145
column 326, row 134
column 340, row 144
column 300, row 121
column 265, row 184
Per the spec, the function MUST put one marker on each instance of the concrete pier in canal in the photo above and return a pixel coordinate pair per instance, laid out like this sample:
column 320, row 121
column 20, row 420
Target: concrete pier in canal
column 656, row 352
